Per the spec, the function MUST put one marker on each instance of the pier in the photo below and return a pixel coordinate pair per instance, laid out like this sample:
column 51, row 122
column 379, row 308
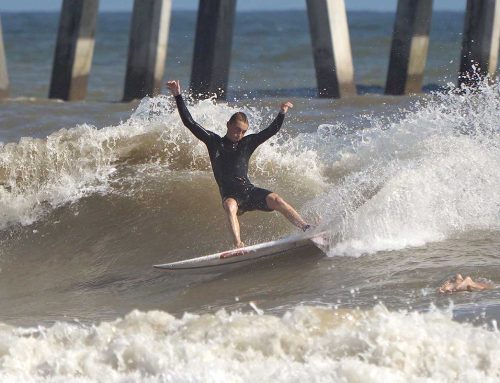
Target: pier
column 410, row 41
column 330, row 41
column 331, row 48
column 74, row 50
column 147, row 48
column 480, row 40
column 212, row 48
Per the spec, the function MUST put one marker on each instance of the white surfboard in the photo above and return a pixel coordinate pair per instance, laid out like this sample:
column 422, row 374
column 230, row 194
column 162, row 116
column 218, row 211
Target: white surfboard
column 248, row 253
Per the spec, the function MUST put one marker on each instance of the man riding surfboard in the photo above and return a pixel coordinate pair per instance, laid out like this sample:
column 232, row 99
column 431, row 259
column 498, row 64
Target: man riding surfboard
column 229, row 157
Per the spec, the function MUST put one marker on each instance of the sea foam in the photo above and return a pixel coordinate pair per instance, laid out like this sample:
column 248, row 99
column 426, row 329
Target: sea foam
column 305, row 344
column 429, row 175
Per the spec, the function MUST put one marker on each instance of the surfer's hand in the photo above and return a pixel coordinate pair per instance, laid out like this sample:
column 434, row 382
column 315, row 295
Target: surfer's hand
column 284, row 107
column 174, row 86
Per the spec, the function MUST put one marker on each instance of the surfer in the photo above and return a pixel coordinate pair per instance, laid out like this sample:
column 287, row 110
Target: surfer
column 229, row 156
column 459, row 283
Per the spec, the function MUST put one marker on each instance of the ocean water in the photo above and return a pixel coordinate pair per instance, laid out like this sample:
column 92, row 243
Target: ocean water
column 93, row 193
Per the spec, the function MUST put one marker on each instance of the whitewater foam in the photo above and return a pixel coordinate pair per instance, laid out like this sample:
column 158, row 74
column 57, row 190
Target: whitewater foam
column 429, row 176
column 305, row 344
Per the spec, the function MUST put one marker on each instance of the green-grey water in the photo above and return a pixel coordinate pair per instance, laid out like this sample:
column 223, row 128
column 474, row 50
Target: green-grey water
column 93, row 193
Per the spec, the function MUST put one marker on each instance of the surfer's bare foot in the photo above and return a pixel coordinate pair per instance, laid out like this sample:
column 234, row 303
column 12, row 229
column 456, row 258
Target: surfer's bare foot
column 307, row 227
column 239, row 245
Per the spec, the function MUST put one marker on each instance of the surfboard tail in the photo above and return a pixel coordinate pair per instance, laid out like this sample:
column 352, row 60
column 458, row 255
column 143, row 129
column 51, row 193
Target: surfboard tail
column 320, row 241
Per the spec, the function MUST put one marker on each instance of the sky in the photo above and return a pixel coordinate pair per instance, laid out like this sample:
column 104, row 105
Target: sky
column 242, row 5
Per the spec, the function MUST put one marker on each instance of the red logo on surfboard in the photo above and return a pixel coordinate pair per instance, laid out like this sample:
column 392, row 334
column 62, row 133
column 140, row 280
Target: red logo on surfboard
column 231, row 253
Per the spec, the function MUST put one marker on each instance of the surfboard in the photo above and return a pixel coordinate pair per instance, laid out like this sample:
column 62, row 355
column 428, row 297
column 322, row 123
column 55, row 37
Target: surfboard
column 245, row 254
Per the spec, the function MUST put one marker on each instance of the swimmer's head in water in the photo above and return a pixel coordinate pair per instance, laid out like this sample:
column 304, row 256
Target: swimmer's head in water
column 237, row 126
column 459, row 283
column 451, row 284
column 458, row 278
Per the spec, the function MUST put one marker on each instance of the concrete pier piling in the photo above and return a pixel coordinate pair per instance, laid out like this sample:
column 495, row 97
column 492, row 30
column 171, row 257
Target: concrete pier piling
column 331, row 48
column 74, row 50
column 4, row 77
column 147, row 50
column 410, row 42
column 480, row 40
column 212, row 48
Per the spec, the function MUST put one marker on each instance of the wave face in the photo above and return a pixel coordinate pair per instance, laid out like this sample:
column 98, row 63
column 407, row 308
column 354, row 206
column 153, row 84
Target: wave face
column 424, row 175
column 38, row 175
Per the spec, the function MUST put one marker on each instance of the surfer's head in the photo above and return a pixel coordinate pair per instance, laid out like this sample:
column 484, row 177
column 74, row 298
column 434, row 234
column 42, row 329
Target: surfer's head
column 237, row 126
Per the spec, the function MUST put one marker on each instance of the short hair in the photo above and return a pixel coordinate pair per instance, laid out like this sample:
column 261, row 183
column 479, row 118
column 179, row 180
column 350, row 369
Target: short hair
column 238, row 116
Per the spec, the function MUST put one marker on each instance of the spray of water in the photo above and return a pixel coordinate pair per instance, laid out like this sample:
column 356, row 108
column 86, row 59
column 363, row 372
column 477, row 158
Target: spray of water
column 424, row 177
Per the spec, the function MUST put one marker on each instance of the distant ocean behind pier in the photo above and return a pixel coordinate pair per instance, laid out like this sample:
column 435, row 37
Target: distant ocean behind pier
column 93, row 193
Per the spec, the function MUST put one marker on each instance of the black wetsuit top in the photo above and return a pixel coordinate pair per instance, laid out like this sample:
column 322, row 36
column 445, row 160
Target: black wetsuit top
column 229, row 160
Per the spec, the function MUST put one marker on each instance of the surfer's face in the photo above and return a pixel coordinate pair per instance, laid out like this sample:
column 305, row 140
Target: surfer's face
column 236, row 130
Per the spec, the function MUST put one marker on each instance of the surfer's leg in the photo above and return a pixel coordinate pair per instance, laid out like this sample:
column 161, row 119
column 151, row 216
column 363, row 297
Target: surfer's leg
column 231, row 208
column 275, row 202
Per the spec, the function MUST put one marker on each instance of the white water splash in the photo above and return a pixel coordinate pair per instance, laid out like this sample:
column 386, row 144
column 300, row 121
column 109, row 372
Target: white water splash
column 306, row 344
column 429, row 176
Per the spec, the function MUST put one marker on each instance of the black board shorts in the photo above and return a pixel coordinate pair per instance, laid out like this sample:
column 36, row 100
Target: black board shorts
column 253, row 198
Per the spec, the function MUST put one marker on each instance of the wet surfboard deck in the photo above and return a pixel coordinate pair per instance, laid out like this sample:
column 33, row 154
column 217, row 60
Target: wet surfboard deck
column 244, row 254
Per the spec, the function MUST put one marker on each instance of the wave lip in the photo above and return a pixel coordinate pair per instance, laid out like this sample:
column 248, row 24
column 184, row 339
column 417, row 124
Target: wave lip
column 37, row 175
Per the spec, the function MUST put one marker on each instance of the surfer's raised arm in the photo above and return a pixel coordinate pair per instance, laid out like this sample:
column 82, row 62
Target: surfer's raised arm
column 274, row 127
column 195, row 128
